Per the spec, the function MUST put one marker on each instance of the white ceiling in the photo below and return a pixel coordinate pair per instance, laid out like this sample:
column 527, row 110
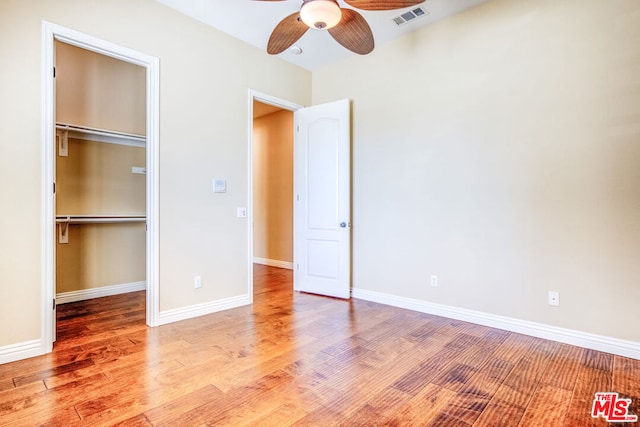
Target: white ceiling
column 253, row 21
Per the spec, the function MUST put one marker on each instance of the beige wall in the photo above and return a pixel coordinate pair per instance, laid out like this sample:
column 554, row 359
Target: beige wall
column 499, row 150
column 98, row 91
column 96, row 179
column 101, row 255
column 273, row 186
column 204, row 81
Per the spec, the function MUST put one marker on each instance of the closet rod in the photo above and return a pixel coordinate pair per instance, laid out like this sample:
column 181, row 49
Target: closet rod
column 100, row 132
column 98, row 219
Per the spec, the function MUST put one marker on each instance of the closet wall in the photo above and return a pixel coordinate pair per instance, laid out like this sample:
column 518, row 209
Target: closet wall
column 96, row 178
column 272, row 186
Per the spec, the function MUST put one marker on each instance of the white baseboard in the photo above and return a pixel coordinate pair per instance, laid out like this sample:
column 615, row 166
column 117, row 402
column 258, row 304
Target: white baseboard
column 103, row 291
column 23, row 350
column 184, row 313
column 273, row 263
column 568, row 336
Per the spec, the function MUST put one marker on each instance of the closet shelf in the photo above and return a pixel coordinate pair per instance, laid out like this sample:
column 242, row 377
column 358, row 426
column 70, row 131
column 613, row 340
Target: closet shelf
column 65, row 220
column 99, row 219
column 100, row 135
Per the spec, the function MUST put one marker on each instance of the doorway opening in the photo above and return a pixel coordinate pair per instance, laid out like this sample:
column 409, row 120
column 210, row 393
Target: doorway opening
column 322, row 200
column 100, row 195
column 271, row 137
column 61, row 138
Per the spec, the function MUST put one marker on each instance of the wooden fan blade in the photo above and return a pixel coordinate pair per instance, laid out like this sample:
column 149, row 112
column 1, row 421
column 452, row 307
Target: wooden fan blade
column 286, row 33
column 353, row 32
column 382, row 4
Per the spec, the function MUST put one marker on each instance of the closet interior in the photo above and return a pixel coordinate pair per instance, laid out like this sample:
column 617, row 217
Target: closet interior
column 100, row 167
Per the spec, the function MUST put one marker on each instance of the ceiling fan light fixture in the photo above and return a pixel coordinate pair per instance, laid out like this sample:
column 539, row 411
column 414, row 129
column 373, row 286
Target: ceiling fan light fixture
column 321, row 14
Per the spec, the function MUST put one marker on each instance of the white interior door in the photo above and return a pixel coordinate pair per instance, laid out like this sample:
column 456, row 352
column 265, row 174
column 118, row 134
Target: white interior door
column 322, row 205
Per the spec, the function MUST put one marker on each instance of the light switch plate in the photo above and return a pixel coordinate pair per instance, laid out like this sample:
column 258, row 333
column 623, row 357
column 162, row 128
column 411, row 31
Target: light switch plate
column 242, row 212
column 219, row 185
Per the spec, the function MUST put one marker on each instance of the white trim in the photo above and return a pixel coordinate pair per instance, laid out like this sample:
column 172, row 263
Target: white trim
column 103, row 291
column 582, row 339
column 23, row 350
column 153, row 190
column 271, row 100
column 51, row 32
column 197, row 310
column 48, row 201
column 273, row 263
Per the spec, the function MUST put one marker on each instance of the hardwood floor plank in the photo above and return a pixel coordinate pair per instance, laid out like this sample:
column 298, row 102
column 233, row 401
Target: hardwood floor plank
column 380, row 407
column 235, row 404
column 473, row 398
column 20, row 393
column 87, row 338
column 550, row 403
column 40, row 405
column 322, row 416
column 514, row 347
column 116, row 404
column 597, row 360
column 285, row 414
column 626, row 382
column 36, row 364
column 310, row 356
column 135, row 421
column 589, row 382
column 166, row 413
column 57, row 416
column 416, row 379
column 122, row 366
column 6, row 384
column 548, row 407
column 305, row 360
column 443, row 419
column 420, row 408
column 52, row 372
column 563, row 367
column 509, row 403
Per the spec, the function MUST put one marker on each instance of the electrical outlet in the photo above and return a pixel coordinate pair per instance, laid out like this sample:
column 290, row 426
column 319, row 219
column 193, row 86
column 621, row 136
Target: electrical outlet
column 554, row 298
column 434, row 281
column 197, row 282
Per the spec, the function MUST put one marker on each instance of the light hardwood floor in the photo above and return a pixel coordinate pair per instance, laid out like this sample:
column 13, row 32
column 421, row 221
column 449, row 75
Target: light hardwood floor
column 298, row 359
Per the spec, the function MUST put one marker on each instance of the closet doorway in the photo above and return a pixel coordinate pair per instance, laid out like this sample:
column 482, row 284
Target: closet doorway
column 100, row 182
column 272, row 188
column 100, row 124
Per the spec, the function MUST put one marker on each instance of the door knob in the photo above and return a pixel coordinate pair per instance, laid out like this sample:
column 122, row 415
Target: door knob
column 343, row 224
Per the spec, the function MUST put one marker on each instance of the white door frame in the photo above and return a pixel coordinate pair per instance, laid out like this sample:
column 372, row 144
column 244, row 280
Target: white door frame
column 285, row 105
column 51, row 32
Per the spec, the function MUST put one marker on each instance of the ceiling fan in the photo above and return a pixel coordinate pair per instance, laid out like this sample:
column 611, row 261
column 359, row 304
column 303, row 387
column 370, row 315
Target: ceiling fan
column 346, row 26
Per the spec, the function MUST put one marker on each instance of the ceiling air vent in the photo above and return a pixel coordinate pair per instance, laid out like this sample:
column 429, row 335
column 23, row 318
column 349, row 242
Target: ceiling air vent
column 410, row 16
